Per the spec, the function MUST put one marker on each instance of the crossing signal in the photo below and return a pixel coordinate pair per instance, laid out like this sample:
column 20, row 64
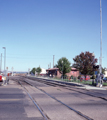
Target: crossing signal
column 95, row 66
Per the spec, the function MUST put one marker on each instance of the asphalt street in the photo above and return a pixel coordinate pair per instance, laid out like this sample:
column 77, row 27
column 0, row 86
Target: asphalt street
column 16, row 105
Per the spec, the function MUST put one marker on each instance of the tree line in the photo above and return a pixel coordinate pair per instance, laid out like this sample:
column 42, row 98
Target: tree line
column 37, row 70
column 85, row 62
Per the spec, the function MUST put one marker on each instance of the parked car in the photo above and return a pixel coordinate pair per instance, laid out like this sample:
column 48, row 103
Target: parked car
column 83, row 77
column 105, row 79
column 1, row 78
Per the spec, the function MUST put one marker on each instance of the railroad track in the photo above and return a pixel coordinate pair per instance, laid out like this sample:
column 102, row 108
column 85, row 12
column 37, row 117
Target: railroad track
column 22, row 83
column 36, row 104
column 25, row 83
column 28, row 82
column 70, row 87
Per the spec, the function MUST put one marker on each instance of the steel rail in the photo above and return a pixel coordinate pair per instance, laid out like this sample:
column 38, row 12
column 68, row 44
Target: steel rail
column 45, row 81
column 64, row 86
column 88, row 118
column 33, row 101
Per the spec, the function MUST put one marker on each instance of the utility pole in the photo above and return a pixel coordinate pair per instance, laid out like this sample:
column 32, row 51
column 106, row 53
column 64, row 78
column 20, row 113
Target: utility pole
column 100, row 43
column 53, row 61
column 28, row 71
column 12, row 71
column 4, row 60
column 62, row 69
column 50, row 65
column 100, row 38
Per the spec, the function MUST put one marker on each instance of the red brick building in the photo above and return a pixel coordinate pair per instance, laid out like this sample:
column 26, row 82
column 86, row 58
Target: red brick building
column 54, row 72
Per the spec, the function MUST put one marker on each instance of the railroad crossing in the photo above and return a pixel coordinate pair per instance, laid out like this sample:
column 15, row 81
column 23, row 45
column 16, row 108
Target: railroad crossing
column 33, row 98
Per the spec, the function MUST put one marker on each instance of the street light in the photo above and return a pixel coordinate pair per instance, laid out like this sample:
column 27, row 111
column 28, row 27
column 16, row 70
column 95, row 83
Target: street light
column 4, row 60
column 62, row 69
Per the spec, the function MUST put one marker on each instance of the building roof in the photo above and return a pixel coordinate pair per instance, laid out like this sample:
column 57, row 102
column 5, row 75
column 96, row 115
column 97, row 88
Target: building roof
column 73, row 69
column 53, row 69
column 58, row 69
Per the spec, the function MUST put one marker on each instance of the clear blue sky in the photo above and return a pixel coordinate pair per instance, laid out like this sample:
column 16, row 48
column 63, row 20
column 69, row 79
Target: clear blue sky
column 34, row 30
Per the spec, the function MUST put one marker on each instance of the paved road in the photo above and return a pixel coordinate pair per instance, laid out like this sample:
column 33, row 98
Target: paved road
column 16, row 105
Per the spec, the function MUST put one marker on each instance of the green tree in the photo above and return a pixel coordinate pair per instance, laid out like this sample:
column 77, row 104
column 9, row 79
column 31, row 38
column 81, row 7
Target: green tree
column 85, row 62
column 64, row 65
column 38, row 70
column 33, row 70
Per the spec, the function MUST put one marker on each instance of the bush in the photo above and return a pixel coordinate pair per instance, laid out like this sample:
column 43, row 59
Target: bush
column 79, row 76
column 64, row 76
column 56, row 77
column 75, row 78
column 93, row 77
column 72, row 77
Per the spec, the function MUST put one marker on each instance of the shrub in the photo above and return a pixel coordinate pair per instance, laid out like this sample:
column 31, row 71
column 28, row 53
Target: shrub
column 79, row 76
column 93, row 77
column 75, row 78
column 71, row 77
column 64, row 76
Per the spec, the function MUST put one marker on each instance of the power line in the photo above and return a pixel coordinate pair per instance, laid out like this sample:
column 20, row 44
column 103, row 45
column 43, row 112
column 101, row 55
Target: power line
column 28, row 57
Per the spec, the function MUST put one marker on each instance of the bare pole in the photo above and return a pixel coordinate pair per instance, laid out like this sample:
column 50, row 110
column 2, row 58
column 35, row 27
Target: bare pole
column 12, row 71
column 4, row 60
column 100, row 38
column 53, row 61
column 1, row 62
column 50, row 65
